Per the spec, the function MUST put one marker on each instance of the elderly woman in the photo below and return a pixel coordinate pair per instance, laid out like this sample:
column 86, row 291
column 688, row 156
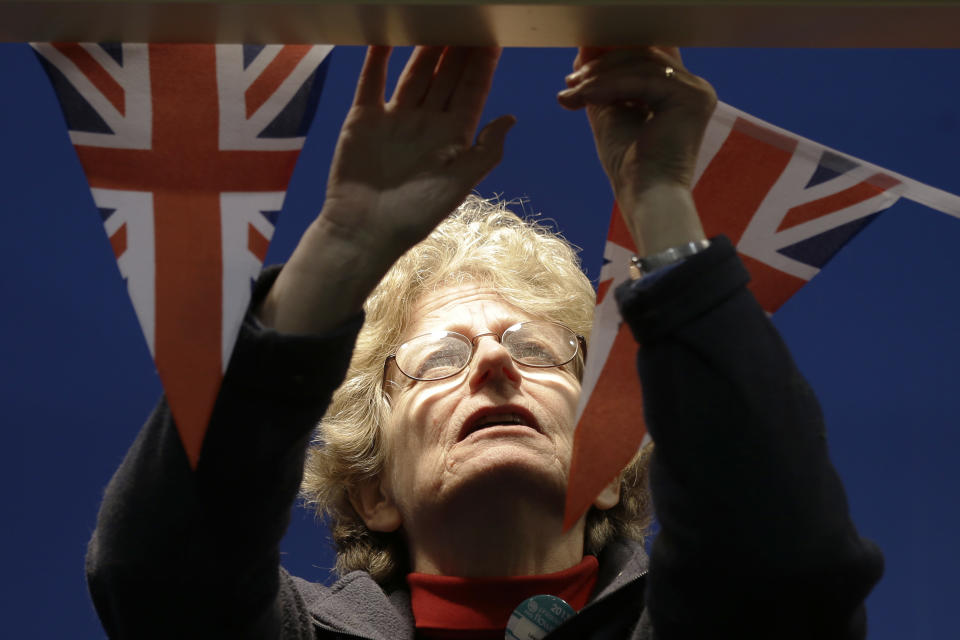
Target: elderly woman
column 442, row 458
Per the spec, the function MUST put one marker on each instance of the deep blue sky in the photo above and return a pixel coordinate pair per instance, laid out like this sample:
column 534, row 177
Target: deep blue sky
column 875, row 332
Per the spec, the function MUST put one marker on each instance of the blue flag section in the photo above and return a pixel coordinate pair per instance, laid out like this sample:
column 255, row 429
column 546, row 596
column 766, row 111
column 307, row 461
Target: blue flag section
column 876, row 331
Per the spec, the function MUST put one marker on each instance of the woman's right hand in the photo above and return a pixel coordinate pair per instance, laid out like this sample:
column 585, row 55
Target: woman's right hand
column 400, row 167
column 648, row 114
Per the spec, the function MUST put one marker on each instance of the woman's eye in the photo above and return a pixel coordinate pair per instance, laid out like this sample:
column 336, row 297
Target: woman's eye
column 536, row 351
column 438, row 363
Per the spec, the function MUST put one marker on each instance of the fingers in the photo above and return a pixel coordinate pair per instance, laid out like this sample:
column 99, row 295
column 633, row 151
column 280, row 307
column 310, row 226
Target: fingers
column 480, row 159
column 595, row 60
column 448, row 74
column 586, row 54
column 474, row 83
column 589, row 54
column 451, row 78
column 373, row 78
column 648, row 83
column 671, row 52
column 463, row 79
column 417, row 76
column 649, row 77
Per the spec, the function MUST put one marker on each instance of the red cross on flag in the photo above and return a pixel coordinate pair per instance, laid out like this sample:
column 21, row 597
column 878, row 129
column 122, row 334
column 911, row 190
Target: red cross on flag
column 788, row 204
column 188, row 150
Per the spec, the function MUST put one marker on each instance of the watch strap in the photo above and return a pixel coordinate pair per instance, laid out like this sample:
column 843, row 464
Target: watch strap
column 640, row 267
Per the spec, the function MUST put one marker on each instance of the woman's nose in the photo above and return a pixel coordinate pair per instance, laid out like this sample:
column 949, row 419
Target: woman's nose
column 492, row 362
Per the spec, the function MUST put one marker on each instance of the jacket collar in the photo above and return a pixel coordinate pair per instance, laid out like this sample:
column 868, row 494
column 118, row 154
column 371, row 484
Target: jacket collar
column 356, row 605
column 621, row 562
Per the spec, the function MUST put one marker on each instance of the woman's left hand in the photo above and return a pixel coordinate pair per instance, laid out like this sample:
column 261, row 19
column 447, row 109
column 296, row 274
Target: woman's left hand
column 648, row 115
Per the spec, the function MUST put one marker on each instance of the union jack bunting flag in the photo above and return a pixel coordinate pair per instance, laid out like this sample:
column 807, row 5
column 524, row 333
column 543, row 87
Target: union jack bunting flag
column 188, row 150
column 788, row 204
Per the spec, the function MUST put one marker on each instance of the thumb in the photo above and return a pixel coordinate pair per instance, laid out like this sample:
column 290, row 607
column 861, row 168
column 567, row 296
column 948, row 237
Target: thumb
column 483, row 156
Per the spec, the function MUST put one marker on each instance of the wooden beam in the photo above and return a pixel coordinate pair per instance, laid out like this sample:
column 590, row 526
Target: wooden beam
column 715, row 23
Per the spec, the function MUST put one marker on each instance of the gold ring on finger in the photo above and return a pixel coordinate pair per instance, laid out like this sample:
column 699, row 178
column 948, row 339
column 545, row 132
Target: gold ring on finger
column 669, row 72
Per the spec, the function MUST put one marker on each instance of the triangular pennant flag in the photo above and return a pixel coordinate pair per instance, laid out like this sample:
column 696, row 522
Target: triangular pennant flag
column 188, row 150
column 610, row 389
column 787, row 203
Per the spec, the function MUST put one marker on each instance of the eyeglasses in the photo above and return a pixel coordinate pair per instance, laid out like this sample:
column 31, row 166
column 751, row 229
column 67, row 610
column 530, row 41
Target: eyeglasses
column 442, row 354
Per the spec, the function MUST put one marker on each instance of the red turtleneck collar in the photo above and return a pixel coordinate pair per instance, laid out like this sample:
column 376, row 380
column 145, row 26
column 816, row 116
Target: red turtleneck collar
column 450, row 608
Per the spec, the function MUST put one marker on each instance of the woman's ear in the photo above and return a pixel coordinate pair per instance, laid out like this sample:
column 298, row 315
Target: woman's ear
column 610, row 496
column 375, row 506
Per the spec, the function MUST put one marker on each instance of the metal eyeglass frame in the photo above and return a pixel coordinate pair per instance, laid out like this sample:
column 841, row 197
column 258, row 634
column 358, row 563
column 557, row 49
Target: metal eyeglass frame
column 581, row 348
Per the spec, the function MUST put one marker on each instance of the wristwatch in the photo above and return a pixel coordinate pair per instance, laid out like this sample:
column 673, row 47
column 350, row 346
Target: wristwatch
column 640, row 267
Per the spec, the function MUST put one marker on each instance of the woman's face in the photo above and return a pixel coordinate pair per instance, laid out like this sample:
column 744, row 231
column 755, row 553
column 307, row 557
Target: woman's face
column 458, row 437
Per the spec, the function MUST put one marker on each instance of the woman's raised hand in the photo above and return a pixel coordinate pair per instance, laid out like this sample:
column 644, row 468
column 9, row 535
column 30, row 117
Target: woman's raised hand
column 401, row 166
column 648, row 115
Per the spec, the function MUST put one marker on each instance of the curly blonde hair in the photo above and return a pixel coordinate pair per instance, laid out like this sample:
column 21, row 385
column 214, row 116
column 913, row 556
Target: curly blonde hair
column 530, row 266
